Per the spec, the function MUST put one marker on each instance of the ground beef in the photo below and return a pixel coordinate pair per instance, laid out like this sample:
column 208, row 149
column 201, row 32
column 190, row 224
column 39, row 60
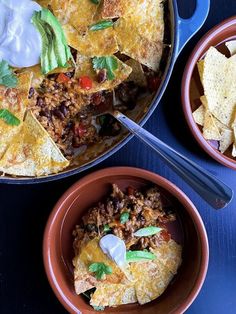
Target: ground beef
column 145, row 209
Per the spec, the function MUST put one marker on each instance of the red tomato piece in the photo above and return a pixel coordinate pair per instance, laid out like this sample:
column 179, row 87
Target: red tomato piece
column 79, row 130
column 62, row 78
column 85, row 82
column 153, row 83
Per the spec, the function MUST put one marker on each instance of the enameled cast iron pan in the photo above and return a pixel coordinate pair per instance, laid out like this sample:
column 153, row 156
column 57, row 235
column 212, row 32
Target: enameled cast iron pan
column 179, row 32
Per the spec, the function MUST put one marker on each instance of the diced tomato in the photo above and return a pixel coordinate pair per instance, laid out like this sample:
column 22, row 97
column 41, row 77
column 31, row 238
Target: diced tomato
column 153, row 83
column 62, row 78
column 85, row 82
column 165, row 235
column 79, row 130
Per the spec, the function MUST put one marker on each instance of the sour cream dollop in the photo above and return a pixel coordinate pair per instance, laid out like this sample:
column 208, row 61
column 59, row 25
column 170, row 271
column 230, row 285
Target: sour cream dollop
column 20, row 42
column 115, row 248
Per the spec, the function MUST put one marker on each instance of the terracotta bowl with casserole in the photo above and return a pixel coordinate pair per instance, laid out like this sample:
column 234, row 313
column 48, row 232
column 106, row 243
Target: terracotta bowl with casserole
column 208, row 93
column 125, row 240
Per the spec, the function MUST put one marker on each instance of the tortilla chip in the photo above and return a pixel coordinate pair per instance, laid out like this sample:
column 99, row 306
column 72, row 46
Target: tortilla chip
column 111, row 9
column 170, row 255
column 32, row 152
column 200, row 66
column 85, row 67
column 210, row 129
column 43, row 3
column 151, row 280
column 113, row 295
column 140, row 32
column 199, row 115
column 77, row 13
column 91, row 44
column 92, row 253
column 16, row 101
column 137, row 75
column 227, row 138
column 219, row 82
column 231, row 45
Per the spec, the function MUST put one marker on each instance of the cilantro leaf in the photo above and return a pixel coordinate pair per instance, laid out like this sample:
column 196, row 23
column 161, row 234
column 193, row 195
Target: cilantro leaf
column 95, row 1
column 147, row 231
column 7, row 76
column 101, row 25
column 109, row 63
column 9, row 118
column 136, row 256
column 106, row 228
column 100, row 270
column 124, row 217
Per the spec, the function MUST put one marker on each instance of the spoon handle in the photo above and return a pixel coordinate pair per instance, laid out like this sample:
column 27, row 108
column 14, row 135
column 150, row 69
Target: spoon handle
column 213, row 191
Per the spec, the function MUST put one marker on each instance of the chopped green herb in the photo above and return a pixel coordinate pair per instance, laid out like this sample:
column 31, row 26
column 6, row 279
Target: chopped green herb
column 148, row 231
column 106, row 228
column 100, row 270
column 7, row 76
column 101, row 25
column 8, row 117
column 55, row 50
column 124, row 217
column 109, row 63
column 95, row 1
column 136, row 256
column 98, row 308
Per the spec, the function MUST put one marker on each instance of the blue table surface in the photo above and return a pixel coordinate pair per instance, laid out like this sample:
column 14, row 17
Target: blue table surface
column 24, row 209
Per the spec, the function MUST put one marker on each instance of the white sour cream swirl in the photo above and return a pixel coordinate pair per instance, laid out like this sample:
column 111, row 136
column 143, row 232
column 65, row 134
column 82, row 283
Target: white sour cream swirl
column 114, row 247
column 20, row 42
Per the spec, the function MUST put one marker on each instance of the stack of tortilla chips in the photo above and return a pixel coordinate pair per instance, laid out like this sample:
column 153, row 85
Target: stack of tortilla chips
column 217, row 114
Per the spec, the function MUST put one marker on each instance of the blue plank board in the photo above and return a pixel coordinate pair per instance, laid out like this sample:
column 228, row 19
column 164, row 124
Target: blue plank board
column 24, row 209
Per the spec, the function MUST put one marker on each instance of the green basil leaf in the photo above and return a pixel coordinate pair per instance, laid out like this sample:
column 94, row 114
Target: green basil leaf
column 9, row 118
column 100, row 269
column 137, row 256
column 101, row 25
column 55, row 50
column 7, row 76
column 148, row 231
column 109, row 63
column 124, row 217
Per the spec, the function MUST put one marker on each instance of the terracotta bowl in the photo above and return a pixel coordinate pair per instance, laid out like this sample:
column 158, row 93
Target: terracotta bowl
column 192, row 88
column 188, row 230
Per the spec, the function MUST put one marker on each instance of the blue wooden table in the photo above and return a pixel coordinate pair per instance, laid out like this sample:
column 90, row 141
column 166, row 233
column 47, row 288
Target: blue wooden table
column 24, row 209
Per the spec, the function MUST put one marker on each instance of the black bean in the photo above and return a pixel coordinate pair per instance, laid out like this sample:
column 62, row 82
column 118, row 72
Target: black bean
column 31, row 92
column 40, row 102
column 91, row 227
column 57, row 113
column 46, row 113
column 102, row 76
column 63, row 109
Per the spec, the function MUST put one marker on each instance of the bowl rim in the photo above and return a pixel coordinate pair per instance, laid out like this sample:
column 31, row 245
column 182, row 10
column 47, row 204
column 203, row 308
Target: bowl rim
column 139, row 173
column 185, row 88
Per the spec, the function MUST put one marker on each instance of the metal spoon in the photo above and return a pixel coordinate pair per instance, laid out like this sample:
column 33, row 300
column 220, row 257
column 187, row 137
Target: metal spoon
column 213, row 191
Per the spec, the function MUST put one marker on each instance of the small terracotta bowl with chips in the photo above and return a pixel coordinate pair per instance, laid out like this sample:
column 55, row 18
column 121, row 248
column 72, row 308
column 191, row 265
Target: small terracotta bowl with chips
column 188, row 230
column 192, row 88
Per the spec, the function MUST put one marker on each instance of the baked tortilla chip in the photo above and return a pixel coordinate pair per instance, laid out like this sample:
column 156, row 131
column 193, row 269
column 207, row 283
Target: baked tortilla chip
column 199, row 115
column 200, row 66
column 170, row 255
column 91, row 44
column 16, row 101
column 227, row 138
column 137, row 75
column 85, row 68
column 219, row 82
column 78, row 13
column 32, row 152
column 231, row 45
column 210, row 128
column 140, row 32
column 111, row 9
column 92, row 253
column 151, row 280
column 113, row 295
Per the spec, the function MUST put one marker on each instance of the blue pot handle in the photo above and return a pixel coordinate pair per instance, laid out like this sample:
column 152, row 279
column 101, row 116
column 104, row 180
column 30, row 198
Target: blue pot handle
column 188, row 27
